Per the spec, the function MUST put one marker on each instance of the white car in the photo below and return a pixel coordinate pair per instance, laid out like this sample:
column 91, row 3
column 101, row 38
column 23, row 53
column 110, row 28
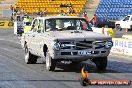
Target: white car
column 65, row 38
column 124, row 23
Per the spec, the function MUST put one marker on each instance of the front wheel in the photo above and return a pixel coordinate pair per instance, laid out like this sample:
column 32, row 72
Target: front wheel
column 29, row 58
column 101, row 63
column 50, row 63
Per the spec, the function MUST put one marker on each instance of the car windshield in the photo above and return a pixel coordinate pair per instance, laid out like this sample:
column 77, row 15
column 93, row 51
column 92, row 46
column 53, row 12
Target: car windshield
column 61, row 24
column 126, row 18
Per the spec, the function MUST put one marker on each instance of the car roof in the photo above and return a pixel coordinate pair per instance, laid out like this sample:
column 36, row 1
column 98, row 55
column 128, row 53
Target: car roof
column 129, row 15
column 49, row 17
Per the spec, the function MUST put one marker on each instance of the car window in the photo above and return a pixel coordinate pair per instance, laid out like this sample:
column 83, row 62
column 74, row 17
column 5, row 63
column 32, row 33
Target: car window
column 40, row 26
column 62, row 24
column 50, row 25
column 35, row 25
column 126, row 18
column 131, row 18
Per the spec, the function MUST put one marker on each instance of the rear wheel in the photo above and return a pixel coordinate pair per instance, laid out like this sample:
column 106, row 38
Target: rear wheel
column 50, row 63
column 101, row 63
column 29, row 58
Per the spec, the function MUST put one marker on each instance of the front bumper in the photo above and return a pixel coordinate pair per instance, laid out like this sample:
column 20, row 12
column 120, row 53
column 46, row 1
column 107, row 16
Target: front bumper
column 77, row 54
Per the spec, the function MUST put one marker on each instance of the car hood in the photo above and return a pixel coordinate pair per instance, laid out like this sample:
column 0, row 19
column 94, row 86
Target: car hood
column 118, row 22
column 70, row 35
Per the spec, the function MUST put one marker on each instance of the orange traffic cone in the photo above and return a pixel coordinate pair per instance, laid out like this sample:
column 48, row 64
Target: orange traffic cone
column 102, row 30
column 126, row 30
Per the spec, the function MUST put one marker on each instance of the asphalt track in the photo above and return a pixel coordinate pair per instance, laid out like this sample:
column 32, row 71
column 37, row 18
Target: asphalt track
column 14, row 73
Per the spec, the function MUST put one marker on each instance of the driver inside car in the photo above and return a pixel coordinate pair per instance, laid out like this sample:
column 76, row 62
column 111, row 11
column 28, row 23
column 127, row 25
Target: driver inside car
column 59, row 25
column 50, row 25
column 84, row 25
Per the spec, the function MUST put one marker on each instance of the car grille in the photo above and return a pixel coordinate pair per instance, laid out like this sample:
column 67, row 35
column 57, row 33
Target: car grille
column 81, row 45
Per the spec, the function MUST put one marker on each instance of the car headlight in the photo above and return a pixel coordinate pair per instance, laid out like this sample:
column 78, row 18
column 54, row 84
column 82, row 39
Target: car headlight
column 56, row 46
column 108, row 44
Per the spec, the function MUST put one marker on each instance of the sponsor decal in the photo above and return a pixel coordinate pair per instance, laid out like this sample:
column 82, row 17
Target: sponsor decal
column 85, row 81
column 6, row 24
column 118, row 50
column 2, row 23
column 10, row 24
column 122, row 43
column 122, row 46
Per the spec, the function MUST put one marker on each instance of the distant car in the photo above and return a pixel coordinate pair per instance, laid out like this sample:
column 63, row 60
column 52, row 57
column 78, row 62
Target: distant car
column 104, row 23
column 126, row 22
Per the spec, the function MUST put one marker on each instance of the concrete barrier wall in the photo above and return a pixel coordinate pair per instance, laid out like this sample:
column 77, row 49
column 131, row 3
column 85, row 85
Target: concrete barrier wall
column 6, row 24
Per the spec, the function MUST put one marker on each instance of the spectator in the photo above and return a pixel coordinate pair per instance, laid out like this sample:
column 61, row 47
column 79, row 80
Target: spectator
column 12, row 9
column 23, row 9
column 18, row 16
column 71, row 10
column 94, row 20
column 62, row 13
column 65, row 5
column 22, row 13
column 44, row 12
column 39, row 13
column 62, row 5
column 27, row 20
column 69, row 5
column 22, row 16
column 12, row 18
column 17, row 9
column 14, row 15
column 85, row 16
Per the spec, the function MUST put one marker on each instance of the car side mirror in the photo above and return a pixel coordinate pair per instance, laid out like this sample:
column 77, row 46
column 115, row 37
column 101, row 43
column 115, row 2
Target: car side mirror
column 33, row 26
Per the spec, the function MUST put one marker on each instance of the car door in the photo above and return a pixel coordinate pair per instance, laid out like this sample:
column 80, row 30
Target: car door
column 131, row 22
column 33, row 40
column 125, row 22
column 39, row 38
column 29, row 38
